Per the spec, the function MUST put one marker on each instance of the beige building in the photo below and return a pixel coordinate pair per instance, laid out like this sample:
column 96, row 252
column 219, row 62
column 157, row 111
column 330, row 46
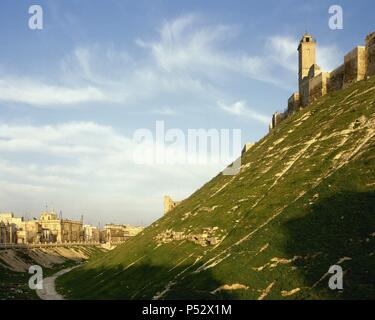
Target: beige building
column 116, row 233
column 7, row 233
column 29, row 232
column 52, row 229
column 60, row 230
column 91, row 234
column 3, row 232
column 72, row 231
column 133, row 230
column 9, row 225
column 8, row 217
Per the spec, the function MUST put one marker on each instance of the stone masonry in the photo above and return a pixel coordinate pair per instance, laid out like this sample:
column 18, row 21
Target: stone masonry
column 314, row 83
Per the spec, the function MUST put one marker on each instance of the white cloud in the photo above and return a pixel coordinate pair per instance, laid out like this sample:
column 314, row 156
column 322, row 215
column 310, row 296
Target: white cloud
column 87, row 167
column 188, row 57
column 282, row 50
column 167, row 111
column 329, row 57
column 126, row 80
column 185, row 46
column 241, row 109
column 103, row 66
column 39, row 94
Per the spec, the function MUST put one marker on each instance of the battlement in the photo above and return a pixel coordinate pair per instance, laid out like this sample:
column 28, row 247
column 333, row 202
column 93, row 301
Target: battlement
column 314, row 83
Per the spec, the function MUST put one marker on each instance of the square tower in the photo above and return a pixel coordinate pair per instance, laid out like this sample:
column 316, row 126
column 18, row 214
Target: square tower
column 306, row 56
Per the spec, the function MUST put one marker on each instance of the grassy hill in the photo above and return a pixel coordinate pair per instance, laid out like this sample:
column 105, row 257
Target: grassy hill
column 303, row 201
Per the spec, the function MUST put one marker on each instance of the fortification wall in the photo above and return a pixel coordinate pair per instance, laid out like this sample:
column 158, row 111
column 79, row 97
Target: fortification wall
column 304, row 93
column 293, row 103
column 336, row 79
column 318, row 86
column 277, row 117
column 359, row 63
column 370, row 54
column 354, row 66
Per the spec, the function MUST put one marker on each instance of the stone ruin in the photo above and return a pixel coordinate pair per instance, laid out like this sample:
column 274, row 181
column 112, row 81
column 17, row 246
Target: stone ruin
column 206, row 238
column 169, row 204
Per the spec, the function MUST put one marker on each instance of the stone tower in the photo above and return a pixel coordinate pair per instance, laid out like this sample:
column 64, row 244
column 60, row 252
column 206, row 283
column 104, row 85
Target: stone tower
column 169, row 204
column 306, row 56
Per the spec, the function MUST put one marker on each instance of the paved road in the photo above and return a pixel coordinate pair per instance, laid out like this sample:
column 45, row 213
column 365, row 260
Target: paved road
column 49, row 288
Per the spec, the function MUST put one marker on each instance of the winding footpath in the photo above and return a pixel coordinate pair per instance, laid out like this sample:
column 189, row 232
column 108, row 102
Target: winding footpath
column 49, row 287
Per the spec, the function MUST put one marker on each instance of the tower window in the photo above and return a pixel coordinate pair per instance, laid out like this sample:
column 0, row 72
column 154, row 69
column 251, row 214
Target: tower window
column 307, row 39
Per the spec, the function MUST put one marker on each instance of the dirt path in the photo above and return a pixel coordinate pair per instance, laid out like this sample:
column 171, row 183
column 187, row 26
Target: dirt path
column 49, row 289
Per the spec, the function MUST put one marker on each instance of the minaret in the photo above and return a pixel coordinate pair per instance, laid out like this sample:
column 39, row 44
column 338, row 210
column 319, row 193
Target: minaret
column 306, row 56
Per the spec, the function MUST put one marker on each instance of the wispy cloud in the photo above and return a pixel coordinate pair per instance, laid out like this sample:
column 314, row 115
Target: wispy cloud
column 84, row 162
column 329, row 57
column 40, row 94
column 282, row 51
column 241, row 109
column 186, row 46
column 188, row 57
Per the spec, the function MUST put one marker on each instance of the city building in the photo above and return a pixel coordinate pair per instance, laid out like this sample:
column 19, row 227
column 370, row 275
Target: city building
column 117, row 233
column 91, row 233
column 60, row 230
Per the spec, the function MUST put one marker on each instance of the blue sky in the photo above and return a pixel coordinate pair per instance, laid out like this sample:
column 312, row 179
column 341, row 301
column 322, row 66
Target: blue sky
column 73, row 93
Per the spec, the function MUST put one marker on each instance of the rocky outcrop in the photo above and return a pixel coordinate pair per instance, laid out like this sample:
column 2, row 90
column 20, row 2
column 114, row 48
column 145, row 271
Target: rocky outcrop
column 206, row 238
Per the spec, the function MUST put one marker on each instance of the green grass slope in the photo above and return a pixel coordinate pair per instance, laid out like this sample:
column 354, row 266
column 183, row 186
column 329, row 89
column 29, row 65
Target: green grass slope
column 303, row 201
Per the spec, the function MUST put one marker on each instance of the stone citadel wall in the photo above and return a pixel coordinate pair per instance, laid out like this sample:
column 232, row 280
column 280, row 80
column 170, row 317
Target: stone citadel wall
column 358, row 64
